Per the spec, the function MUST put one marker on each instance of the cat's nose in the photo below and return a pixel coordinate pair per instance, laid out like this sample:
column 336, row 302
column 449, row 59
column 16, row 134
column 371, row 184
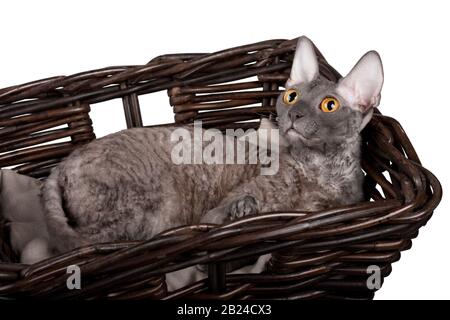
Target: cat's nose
column 295, row 115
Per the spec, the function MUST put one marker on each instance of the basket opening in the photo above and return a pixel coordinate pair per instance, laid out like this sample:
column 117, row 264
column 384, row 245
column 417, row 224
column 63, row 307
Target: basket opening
column 107, row 117
column 149, row 102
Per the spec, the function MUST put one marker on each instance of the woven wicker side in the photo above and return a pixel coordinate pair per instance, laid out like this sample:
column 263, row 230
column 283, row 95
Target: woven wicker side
column 31, row 141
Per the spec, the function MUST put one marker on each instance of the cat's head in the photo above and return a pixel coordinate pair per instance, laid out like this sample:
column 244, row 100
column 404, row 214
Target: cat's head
column 315, row 112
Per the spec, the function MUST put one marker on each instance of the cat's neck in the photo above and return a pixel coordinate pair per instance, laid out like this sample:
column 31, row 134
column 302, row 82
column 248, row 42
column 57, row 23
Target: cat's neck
column 329, row 159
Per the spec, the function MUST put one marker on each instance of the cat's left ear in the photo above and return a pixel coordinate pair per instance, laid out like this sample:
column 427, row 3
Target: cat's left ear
column 305, row 67
column 362, row 86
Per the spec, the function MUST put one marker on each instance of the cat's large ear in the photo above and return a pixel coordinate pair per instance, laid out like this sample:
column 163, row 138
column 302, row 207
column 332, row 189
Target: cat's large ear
column 305, row 67
column 362, row 86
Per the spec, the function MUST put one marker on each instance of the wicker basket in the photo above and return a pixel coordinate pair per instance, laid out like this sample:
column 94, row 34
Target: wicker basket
column 324, row 254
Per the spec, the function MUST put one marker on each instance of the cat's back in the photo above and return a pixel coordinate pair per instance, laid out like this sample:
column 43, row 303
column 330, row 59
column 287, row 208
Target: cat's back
column 127, row 151
column 132, row 171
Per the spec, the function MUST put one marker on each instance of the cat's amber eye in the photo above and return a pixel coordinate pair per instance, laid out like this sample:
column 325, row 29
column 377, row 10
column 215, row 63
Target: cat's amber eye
column 291, row 96
column 329, row 104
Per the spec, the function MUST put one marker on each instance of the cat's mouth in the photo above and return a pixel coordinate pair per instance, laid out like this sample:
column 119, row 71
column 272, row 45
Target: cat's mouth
column 294, row 134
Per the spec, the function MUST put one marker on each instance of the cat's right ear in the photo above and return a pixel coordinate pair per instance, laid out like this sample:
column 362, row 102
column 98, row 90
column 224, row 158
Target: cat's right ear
column 362, row 86
column 305, row 67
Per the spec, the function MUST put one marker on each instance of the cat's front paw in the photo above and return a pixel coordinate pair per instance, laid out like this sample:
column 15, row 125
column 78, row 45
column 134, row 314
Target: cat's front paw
column 242, row 207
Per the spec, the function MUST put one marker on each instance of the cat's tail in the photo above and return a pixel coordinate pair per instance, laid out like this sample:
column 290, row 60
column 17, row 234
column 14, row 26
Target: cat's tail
column 62, row 236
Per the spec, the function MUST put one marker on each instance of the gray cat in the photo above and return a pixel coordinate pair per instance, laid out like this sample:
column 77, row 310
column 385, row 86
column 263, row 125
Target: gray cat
column 125, row 186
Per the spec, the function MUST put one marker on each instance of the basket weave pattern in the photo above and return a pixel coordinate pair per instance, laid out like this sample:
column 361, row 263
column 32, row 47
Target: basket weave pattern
column 324, row 254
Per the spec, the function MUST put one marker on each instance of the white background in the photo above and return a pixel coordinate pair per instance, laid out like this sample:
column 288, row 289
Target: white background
column 46, row 38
